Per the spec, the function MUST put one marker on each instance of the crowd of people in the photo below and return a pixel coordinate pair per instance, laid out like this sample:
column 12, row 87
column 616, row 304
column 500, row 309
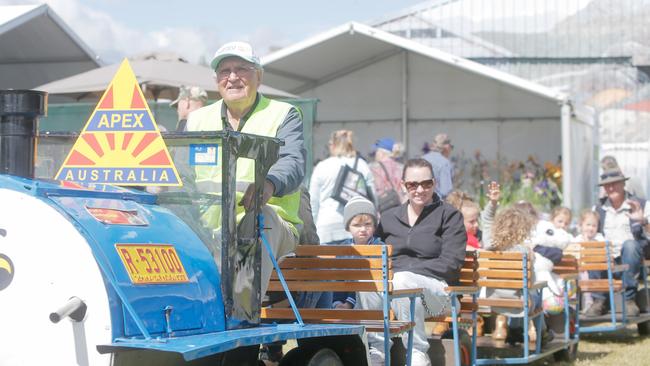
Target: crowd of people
column 410, row 204
column 433, row 225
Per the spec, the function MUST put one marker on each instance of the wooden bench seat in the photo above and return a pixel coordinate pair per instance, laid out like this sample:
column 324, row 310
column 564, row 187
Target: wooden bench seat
column 601, row 285
column 511, row 271
column 505, row 270
column 341, row 268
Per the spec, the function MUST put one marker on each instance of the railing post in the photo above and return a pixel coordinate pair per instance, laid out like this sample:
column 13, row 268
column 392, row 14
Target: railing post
column 610, row 282
column 279, row 272
column 386, row 304
column 526, row 303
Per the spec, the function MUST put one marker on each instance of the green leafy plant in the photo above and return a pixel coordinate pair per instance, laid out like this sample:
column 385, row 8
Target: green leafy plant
column 528, row 180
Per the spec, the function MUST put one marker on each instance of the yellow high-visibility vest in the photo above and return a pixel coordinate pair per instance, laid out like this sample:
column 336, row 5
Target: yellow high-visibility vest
column 265, row 120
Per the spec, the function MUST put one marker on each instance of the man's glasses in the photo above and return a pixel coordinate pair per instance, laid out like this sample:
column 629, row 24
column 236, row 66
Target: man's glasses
column 412, row 186
column 238, row 70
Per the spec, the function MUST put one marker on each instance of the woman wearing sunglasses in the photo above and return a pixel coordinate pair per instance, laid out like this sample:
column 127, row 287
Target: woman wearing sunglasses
column 428, row 238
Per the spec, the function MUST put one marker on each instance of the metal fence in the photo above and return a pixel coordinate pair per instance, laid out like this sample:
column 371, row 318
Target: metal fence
column 598, row 51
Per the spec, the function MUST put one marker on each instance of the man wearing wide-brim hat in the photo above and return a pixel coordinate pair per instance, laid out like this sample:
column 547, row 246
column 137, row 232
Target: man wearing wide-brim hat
column 624, row 222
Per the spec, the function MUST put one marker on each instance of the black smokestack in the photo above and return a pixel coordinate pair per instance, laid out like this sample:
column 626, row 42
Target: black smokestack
column 19, row 112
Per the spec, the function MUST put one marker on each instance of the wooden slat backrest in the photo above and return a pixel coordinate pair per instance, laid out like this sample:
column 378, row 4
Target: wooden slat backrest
column 568, row 264
column 335, row 268
column 593, row 255
column 330, row 274
column 340, row 286
column 503, row 270
column 593, row 244
column 340, row 268
column 602, row 282
column 469, row 272
column 502, row 274
column 341, row 250
column 500, row 255
column 331, row 263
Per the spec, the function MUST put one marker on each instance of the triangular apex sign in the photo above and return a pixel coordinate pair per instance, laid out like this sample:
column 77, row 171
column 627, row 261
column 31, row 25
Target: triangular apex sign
column 121, row 143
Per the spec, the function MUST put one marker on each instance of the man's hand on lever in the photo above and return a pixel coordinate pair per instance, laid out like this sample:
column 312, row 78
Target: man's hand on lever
column 247, row 200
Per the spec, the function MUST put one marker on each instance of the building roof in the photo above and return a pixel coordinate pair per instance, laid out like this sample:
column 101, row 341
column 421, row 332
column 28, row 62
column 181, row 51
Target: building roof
column 38, row 47
column 352, row 46
column 160, row 79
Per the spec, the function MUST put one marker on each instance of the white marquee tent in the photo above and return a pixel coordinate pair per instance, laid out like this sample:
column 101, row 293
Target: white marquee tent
column 382, row 85
column 38, row 47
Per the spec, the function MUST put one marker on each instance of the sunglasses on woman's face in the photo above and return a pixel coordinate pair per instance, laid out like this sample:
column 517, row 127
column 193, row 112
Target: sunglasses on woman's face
column 412, row 186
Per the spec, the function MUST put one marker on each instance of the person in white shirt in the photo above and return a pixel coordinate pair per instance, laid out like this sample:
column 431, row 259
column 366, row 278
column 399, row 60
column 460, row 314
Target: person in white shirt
column 327, row 211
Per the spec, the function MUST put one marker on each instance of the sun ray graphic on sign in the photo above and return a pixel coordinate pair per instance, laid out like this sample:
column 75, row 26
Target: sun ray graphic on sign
column 121, row 143
column 112, row 150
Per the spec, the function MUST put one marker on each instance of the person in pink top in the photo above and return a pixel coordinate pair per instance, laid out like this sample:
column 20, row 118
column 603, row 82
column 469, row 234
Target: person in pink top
column 387, row 173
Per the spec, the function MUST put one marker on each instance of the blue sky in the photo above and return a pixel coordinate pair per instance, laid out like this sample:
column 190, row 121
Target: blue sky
column 234, row 18
column 195, row 28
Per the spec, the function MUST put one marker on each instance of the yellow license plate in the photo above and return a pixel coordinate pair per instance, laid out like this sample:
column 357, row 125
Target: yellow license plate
column 152, row 263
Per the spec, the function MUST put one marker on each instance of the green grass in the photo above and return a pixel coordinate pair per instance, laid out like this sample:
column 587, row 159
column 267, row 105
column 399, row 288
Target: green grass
column 620, row 348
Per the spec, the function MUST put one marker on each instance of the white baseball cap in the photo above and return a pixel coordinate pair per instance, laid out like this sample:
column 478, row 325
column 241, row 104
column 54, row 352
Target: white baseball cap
column 242, row 50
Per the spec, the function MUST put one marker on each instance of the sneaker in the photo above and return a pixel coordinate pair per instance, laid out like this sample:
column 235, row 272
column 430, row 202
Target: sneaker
column 597, row 308
column 271, row 354
column 631, row 308
column 419, row 358
column 376, row 357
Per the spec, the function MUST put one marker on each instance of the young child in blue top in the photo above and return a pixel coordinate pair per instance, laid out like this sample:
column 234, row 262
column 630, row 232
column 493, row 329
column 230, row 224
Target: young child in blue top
column 360, row 219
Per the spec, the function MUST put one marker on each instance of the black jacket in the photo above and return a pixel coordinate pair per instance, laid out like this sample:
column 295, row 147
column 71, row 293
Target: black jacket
column 434, row 246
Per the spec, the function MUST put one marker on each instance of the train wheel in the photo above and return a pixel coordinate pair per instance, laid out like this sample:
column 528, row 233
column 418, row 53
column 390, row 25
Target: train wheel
column 465, row 345
column 568, row 354
column 300, row 357
column 643, row 328
column 325, row 357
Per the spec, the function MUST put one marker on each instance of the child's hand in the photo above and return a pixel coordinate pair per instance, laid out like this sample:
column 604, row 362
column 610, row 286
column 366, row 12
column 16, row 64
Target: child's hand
column 494, row 192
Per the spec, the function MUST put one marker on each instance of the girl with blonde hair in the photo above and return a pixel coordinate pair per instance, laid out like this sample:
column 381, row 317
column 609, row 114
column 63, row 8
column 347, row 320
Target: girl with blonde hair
column 511, row 232
column 517, row 228
column 511, row 229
